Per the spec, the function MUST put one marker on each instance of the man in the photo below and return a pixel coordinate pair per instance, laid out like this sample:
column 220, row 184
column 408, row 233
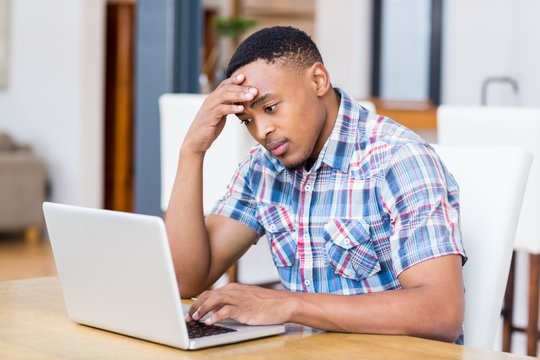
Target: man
column 361, row 215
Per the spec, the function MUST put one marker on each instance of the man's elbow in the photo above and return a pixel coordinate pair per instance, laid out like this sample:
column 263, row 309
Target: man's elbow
column 189, row 289
column 187, row 292
column 450, row 332
column 449, row 324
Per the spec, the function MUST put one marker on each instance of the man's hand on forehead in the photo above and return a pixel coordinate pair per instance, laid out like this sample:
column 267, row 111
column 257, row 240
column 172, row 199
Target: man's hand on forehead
column 249, row 92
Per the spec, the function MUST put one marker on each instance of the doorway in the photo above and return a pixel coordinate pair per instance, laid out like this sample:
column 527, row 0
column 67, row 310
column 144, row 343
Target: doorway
column 119, row 105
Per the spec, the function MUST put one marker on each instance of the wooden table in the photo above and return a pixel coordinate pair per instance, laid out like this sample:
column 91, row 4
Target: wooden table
column 34, row 325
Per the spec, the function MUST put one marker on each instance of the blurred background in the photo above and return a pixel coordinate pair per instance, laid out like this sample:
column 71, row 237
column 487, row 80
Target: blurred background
column 80, row 82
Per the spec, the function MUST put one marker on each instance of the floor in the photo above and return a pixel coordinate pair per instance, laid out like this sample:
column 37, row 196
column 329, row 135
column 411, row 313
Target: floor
column 21, row 258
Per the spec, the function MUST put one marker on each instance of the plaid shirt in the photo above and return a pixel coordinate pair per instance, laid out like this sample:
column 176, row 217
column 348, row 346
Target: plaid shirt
column 376, row 202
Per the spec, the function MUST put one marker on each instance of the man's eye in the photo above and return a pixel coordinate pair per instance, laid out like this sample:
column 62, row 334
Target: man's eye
column 245, row 121
column 270, row 108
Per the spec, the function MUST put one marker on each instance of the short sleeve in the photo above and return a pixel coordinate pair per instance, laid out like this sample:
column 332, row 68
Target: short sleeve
column 421, row 199
column 238, row 203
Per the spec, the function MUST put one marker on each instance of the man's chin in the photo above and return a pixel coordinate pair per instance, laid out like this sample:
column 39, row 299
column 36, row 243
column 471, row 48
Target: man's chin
column 293, row 165
column 292, row 162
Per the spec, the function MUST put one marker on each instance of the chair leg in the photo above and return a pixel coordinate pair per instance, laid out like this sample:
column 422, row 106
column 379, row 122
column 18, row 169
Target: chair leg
column 532, row 325
column 508, row 311
column 232, row 273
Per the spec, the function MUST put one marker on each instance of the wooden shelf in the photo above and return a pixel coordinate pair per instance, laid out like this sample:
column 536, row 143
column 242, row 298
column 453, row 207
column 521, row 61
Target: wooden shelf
column 413, row 114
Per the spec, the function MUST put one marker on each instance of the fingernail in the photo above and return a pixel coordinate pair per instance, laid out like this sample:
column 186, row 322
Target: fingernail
column 187, row 318
column 253, row 91
column 248, row 95
column 240, row 107
column 195, row 315
column 208, row 321
column 239, row 77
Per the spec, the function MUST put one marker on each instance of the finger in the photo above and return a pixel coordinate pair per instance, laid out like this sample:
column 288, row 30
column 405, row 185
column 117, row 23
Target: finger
column 235, row 79
column 215, row 302
column 230, row 109
column 234, row 83
column 198, row 302
column 235, row 94
column 199, row 314
column 198, row 309
column 224, row 103
column 217, row 109
column 238, row 79
column 222, row 110
column 225, row 312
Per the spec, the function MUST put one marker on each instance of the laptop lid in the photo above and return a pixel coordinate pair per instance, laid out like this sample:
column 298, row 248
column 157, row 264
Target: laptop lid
column 117, row 274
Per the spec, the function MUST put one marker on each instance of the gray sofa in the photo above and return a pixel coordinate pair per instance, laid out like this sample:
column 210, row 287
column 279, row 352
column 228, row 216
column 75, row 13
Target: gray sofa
column 22, row 188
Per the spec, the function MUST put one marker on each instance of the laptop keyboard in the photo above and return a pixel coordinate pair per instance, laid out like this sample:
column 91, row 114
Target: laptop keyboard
column 197, row 329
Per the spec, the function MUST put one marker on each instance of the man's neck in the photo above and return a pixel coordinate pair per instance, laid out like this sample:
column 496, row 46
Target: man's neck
column 332, row 101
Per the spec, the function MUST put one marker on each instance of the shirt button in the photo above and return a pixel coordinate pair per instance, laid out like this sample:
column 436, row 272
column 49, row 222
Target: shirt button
column 306, row 236
column 347, row 241
column 272, row 227
column 308, row 187
column 307, row 282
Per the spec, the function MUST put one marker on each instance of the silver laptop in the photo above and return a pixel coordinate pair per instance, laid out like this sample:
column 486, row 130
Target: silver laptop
column 117, row 274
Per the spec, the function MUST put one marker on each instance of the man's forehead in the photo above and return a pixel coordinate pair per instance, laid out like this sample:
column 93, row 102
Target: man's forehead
column 260, row 70
column 266, row 77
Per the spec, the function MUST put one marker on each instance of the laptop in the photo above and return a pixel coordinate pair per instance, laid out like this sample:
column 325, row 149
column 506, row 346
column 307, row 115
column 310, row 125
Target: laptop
column 117, row 274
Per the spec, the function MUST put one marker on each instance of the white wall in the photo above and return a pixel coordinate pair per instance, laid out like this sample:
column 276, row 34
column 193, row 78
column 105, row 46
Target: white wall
column 343, row 35
column 527, row 57
column 54, row 97
column 491, row 38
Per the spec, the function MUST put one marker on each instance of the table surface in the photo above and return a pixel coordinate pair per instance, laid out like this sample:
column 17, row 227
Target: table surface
column 34, row 324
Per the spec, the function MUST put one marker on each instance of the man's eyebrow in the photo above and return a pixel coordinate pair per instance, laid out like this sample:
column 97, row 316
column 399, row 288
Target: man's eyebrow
column 255, row 103
column 260, row 99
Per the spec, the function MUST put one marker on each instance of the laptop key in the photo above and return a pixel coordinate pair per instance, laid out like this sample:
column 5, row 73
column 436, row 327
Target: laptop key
column 197, row 329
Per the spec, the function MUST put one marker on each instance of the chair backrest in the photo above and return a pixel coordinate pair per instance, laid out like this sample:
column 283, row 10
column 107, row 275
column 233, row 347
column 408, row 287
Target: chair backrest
column 369, row 105
column 490, row 203
column 177, row 111
column 494, row 125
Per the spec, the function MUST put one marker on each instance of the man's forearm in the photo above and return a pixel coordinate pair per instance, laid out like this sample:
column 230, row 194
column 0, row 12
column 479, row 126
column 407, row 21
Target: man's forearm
column 186, row 228
column 430, row 304
column 201, row 254
column 416, row 312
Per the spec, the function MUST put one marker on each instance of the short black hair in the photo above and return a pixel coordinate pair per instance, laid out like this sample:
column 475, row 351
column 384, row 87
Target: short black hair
column 273, row 43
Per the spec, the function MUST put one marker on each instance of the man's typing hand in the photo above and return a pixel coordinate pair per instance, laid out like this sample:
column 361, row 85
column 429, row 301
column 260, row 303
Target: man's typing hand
column 246, row 304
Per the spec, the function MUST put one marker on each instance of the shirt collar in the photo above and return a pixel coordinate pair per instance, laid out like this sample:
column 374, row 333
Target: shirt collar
column 338, row 149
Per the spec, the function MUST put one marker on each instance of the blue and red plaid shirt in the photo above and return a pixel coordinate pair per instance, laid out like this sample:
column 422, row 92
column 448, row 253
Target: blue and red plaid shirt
column 377, row 201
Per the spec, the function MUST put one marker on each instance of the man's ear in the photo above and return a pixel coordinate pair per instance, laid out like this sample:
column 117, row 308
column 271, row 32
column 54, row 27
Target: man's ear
column 320, row 78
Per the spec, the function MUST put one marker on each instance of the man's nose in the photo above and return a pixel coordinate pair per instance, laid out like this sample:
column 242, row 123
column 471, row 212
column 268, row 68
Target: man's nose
column 264, row 127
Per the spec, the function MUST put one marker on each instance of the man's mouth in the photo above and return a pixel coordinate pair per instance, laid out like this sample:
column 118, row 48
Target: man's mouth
column 278, row 148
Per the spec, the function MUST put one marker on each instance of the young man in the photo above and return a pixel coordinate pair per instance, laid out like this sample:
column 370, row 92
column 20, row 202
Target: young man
column 362, row 217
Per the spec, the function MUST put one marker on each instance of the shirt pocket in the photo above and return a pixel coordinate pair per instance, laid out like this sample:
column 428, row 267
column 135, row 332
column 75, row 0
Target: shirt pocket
column 350, row 250
column 278, row 222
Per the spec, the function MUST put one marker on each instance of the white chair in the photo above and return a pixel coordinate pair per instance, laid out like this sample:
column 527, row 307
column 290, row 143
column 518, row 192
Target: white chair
column 489, row 219
column 491, row 125
column 369, row 105
column 177, row 112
